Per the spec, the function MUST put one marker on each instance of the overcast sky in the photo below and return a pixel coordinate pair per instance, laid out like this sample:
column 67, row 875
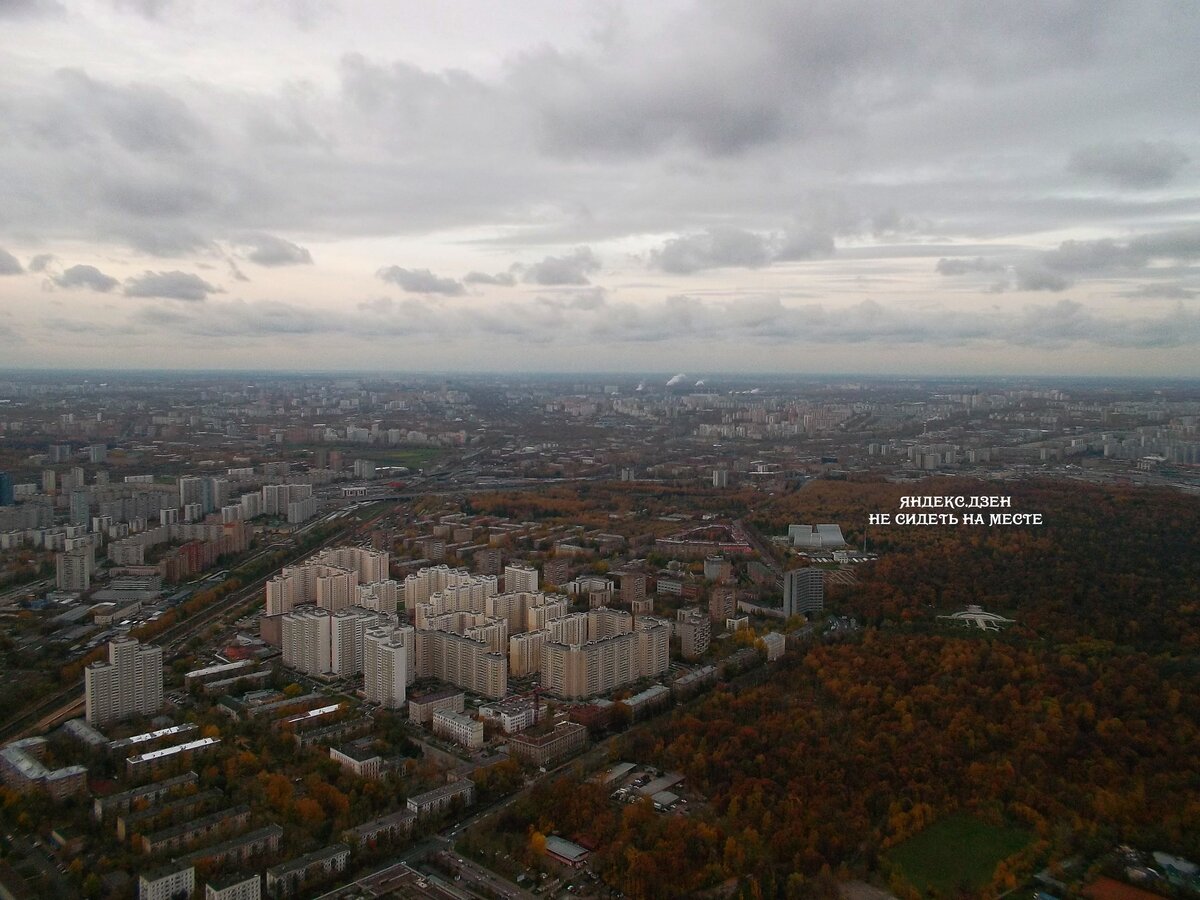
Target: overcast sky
column 846, row 186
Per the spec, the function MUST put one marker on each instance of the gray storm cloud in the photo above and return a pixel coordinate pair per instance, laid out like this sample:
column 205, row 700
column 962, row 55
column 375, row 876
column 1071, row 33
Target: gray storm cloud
column 719, row 248
column 175, row 285
column 9, row 264
column 268, row 250
column 503, row 279
column 41, row 262
column 85, row 276
column 563, row 270
column 420, row 281
column 1137, row 164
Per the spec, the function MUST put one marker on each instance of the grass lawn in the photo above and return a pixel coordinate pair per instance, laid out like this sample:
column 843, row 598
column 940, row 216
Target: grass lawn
column 413, row 457
column 957, row 850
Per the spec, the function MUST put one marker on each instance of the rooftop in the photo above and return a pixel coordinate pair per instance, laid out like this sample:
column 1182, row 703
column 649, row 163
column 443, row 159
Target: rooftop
column 316, row 713
column 444, row 693
column 620, row 770
column 171, row 751
column 445, row 790
column 357, row 753
column 565, row 849
column 161, row 872
column 153, row 735
column 650, row 693
column 221, row 882
column 301, row 863
column 662, row 783
column 191, row 825
column 220, row 668
column 400, row 817
column 165, row 785
column 538, row 740
column 250, row 837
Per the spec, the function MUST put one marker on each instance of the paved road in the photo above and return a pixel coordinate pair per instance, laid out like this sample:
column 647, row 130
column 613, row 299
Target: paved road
column 397, row 880
column 488, row 882
column 10, row 595
column 55, row 881
column 445, row 839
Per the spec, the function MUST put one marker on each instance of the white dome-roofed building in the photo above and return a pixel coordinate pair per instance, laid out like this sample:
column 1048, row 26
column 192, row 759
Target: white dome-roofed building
column 977, row 617
column 816, row 537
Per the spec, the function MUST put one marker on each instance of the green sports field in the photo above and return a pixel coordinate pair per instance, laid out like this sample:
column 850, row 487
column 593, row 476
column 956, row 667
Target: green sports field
column 957, row 851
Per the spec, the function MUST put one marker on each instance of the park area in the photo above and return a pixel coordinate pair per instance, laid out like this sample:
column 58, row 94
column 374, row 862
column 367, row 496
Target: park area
column 956, row 852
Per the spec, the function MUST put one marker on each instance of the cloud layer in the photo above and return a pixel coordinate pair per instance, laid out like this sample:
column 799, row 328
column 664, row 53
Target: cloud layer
column 170, row 286
column 84, row 276
column 573, row 169
column 421, row 281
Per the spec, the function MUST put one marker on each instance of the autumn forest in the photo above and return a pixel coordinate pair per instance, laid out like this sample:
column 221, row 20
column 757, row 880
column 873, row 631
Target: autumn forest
column 1076, row 727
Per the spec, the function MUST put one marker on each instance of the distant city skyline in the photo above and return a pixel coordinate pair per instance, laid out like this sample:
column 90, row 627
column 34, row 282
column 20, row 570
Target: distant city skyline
column 857, row 189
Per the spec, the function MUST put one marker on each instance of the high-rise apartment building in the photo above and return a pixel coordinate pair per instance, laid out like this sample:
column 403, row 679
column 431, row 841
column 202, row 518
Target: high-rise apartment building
column 319, row 642
column 302, row 510
column 7, row 497
column 277, row 497
column 408, row 636
column 520, row 577
column 527, row 610
column 695, row 632
column 381, row 596
column 129, row 684
column 803, row 591
column 385, row 666
column 633, row 587
column 525, row 653
column 653, row 646
column 218, row 493
column 722, row 603
column 371, row 565
column 421, row 586
column 251, row 505
column 557, row 571
column 575, row 671
column 569, row 629
column 347, row 638
column 79, row 508
column 593, row 653
column 469, row 595
column 329, row 587
column 488, row 561
column 493, row 632
column 194, row 489
column 306, row 640
column 463, row 662
column 73, row 569
column 603, row 623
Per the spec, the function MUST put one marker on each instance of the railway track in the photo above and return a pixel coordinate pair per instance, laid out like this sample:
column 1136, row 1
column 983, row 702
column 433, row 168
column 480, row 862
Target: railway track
column 68, row 702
